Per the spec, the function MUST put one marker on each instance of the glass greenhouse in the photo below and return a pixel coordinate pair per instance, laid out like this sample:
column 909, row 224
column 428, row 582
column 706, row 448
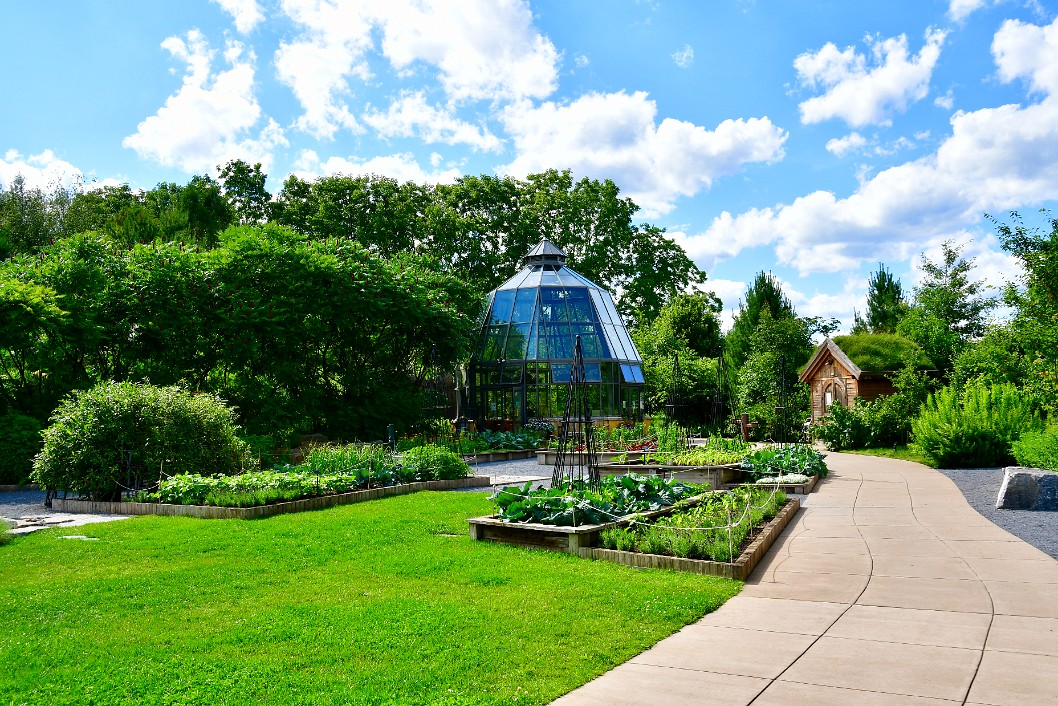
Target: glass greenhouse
column 524, row 357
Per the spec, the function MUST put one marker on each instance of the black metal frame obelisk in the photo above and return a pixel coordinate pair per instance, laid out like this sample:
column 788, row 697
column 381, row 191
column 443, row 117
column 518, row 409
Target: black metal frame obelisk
column 577, row 459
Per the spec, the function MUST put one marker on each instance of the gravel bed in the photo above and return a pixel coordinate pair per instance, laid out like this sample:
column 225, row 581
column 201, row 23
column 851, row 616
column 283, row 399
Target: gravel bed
column 981, row 488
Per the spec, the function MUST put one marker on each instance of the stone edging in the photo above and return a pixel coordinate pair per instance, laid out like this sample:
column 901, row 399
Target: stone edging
column 490, row 456
column 738, row 569
column 212, row 512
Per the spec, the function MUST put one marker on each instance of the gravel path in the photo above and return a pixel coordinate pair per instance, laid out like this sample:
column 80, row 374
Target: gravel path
column 26, row 511
column 981, row 488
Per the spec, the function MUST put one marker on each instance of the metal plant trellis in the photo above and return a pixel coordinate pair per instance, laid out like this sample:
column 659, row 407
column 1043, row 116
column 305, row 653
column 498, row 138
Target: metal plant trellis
column 720, row 397
column 577, row 458
column 435, row 405
column 672, row 408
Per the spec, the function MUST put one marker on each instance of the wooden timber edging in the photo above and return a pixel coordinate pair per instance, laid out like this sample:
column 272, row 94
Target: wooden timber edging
column 213, row 512
column 490, row 456
column 738, row 569
column 799, row 488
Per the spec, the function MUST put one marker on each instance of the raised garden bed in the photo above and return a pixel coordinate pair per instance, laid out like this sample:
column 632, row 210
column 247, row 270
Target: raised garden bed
column 213, row 512
column 581, row 540
column 541, row 536
column 715, row 476
column 490, row 456
column 798, row 488
column 550, row 457
column 738, row 569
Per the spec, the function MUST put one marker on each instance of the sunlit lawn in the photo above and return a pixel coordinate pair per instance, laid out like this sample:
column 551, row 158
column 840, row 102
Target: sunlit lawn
column 370, row 604
column 904, row 453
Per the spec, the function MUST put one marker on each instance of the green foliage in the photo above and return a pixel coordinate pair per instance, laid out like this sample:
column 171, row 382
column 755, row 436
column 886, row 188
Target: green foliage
column 434, row 463
column 20, row 441
column 1038, row 449
column 972, row 427
column 693, row 319
column 704, row 531
column 764, row 294
column 783, row 460
column 575, row 505
column 716, row 451
column 885, row 303
column 882, row 352
column 886, row 421
column 164, row 430
column 949, row 310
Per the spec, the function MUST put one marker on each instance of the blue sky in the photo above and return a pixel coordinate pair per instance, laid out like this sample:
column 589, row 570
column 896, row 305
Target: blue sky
column 812, row 139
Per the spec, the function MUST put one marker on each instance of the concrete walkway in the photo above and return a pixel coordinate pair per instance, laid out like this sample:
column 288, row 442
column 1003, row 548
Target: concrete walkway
column 886, row 589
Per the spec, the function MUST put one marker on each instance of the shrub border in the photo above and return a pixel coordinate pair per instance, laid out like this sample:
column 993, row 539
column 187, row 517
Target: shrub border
column 213, row 512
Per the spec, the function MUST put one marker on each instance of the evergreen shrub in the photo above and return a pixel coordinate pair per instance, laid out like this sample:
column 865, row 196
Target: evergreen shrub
column 976, row 428
column 163, row 430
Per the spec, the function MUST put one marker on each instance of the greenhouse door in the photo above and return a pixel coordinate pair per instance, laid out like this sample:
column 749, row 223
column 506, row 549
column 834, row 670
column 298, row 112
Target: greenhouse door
column 504, row 407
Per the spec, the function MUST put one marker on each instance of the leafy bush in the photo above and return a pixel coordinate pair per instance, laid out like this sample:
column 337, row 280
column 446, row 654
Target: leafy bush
column 845, row 427
column 701, row 532
column 164, row 430
column 974, row 429
column 434, row 463
column 19, row 443
column 783, row 460
column 578, row 505
column 1038, row 449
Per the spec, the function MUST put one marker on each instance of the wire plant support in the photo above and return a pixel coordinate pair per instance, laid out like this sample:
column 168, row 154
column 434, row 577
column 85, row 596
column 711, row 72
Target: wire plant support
column 577, row 458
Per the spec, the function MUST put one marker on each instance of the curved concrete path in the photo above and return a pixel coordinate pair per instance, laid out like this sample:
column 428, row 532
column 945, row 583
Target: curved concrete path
column 886, row 589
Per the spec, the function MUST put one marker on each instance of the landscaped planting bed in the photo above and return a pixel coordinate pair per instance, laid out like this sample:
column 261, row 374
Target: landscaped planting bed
column 730, row 526
column 331, row 475
column 376, row 603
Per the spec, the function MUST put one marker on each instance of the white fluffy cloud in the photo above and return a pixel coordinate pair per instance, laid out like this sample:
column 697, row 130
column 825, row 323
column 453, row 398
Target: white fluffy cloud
column 959, row 10
column 863, row 92
column 213, row 117
column 853, row 142
column 402, row 167
column 247, row 14
column 995, row 159
column 41, row 171
column 410, row 116
column 488, row 50
column 616, row 136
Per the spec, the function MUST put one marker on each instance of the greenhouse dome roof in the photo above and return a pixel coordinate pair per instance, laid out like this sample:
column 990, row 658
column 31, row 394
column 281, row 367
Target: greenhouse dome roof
column 538, row 313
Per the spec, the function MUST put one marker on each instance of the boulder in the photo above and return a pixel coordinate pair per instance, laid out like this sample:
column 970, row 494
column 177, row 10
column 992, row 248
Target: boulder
column 1028, row 489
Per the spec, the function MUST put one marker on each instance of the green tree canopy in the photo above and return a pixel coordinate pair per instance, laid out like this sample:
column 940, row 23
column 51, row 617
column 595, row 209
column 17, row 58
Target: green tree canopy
column 765, row 293
column 885, row 301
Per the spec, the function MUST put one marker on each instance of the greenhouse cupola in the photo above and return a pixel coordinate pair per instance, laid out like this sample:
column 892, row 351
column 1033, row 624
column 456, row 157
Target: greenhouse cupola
column 522, row 363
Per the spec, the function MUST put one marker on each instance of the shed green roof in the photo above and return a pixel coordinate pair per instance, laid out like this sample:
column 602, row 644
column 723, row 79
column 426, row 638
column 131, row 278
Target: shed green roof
column 882, row 352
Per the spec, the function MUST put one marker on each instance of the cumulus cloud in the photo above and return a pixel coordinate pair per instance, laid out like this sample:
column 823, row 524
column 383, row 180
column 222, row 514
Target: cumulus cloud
column 402, row 167
column 863, row 92
column 581, row 61
column 853, row 142
column 212, row 117
column 959, row 10
column 995, row 159
column 947, row 101
column 488, row 50
column 410, row 115
column 684, row 58
column 44, row 171
column 247, row 14
column 616, row 136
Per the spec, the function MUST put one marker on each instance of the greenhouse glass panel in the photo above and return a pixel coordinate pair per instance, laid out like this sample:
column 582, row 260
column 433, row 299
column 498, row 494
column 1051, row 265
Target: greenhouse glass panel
column 614, row 342
column 501, row 306
column 600, row 306
column 516, row 342
column 524, row 306
column 493, row 348
column 592, row 373
column 578, row 304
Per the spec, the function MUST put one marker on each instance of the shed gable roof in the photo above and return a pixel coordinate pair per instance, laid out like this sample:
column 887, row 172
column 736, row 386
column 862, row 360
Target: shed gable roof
column 828, row 349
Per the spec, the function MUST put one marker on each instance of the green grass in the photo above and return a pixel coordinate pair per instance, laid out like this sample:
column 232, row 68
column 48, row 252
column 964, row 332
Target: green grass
column 904, row 453
column 365, row 604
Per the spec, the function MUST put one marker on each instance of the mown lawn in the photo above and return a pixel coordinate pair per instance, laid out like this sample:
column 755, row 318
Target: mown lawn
column 368, row 604
column 904, row 453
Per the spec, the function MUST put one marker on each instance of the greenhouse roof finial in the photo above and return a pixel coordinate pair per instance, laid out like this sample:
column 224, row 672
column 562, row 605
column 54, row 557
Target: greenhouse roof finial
column 546, row 253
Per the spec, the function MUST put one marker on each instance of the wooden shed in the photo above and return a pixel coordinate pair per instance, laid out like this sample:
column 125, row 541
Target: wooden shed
column 835, row 376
